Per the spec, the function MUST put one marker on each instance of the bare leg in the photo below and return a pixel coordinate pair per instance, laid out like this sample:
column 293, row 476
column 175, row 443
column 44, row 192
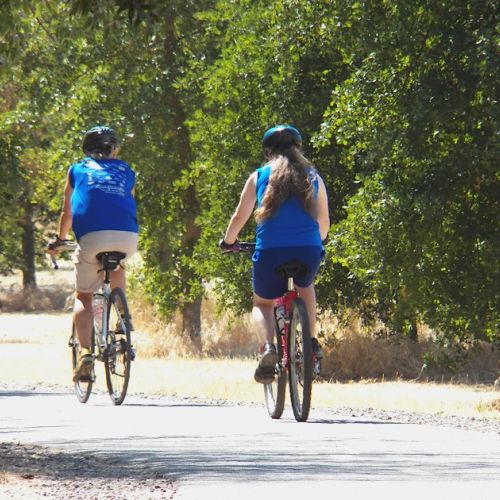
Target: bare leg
column 118, row 278
column 308, row 294
column 263, row 317
column 83, row 318
column 264, row 321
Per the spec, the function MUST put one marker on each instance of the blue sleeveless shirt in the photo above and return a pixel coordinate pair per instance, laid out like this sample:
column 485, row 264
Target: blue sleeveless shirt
column 102, row 196
column 291, row 225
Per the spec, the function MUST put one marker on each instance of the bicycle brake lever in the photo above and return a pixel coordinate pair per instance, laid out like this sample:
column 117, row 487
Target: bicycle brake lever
column 53, row 262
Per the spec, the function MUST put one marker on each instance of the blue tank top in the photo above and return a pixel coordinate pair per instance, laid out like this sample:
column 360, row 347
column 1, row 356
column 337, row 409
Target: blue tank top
column 102, row 199
column 291, row 225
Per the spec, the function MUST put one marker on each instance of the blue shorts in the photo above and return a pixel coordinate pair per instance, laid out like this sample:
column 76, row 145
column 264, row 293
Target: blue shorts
column 267, row 283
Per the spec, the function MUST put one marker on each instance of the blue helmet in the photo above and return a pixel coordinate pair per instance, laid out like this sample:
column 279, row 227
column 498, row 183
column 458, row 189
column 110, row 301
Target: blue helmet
column 100, row 139
column 281, row 135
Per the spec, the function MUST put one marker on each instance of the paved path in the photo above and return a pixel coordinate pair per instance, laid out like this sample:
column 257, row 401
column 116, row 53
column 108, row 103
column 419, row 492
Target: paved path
column 239, row 452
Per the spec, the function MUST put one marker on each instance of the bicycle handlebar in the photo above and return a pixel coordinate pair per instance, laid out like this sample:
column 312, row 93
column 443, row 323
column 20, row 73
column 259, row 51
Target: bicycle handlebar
column 58, row 245
column 247, row 246
column 238, row 247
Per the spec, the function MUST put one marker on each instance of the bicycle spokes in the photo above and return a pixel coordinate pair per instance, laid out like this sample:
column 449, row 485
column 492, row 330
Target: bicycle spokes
column 118, row 347
column 82, row 389
column 300, row 367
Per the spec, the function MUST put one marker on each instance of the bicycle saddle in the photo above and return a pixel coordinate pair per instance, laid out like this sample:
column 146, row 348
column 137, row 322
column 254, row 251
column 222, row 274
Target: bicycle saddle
column 292, row 269
column 110, row 260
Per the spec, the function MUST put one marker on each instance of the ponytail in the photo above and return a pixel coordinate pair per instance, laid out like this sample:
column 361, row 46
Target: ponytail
column 290, row 176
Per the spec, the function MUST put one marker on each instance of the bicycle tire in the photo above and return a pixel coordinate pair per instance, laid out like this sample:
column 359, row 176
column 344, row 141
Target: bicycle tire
column 82, row 389
column 275, row 392
column 300, row 369
column 117, row 357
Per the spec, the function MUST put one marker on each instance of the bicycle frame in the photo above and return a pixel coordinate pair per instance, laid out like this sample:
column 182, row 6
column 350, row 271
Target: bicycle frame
column 104, row 294
column 286, row 301
column 101, row 337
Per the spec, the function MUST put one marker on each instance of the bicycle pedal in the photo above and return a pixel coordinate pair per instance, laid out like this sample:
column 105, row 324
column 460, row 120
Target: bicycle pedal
column 316, row 368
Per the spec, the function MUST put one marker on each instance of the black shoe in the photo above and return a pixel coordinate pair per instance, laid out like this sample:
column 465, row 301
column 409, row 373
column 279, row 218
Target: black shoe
column 316, row 348
column 264, row 374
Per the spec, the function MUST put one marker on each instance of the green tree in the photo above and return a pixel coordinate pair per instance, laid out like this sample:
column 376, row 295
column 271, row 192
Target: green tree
column 25, row 95
column 275, row 66
column 157, row 106
column 417, row 118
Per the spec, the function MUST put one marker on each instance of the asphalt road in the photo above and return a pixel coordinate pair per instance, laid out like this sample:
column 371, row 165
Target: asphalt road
column 213, row 451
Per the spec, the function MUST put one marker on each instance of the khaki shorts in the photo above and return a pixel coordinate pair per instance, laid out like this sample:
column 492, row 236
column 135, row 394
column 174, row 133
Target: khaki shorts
column 87, row 277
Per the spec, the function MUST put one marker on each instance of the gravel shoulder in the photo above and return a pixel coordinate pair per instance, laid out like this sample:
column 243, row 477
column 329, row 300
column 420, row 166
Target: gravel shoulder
column 31, row 471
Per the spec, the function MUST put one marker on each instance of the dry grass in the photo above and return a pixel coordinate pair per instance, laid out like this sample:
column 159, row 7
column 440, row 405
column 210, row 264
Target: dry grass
column 223, row 336
column 167, row 364
column 351, row 351
column 55, row 288
column 44, row 359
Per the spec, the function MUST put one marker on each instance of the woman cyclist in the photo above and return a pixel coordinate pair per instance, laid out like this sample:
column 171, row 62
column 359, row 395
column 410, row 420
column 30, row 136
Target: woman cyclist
column 99, row 206
column 292, row 221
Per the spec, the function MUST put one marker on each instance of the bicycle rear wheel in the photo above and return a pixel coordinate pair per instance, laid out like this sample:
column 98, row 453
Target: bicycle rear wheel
column 118, row 354
column 300, row 369
column 275, row 392
column 82, row 389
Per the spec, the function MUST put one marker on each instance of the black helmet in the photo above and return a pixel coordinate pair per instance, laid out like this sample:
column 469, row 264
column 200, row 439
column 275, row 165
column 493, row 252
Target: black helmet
column 99, row 140
column 281, row 136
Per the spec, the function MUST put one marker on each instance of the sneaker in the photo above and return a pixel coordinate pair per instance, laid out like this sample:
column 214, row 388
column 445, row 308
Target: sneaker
column 264, row 374
column 118, row 327
column 123, row 348
column 316, row 348
column 84, row 372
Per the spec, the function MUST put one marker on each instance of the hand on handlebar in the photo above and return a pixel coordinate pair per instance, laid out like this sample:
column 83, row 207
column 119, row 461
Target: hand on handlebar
column 227, row 248
column 55, row 245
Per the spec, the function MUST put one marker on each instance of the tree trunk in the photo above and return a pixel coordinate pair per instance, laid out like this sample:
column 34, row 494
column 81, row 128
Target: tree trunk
column 28, row 246
column 191, row 321
column 191, row 311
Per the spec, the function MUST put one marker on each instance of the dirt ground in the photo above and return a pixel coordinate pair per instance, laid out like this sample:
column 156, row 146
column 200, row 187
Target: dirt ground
column 32, row 472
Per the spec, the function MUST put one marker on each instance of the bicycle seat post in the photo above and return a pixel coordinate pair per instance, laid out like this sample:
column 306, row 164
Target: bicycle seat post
column 106, row 280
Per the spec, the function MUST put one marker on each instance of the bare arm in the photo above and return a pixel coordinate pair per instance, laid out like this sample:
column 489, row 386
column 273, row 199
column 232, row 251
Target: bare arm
column 243, row 210
column 66, row 220
column 323, row 212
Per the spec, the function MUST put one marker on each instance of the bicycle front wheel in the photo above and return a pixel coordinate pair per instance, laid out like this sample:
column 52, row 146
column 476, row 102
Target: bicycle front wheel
column 82, row 389
column 275, row 391
column 300, row 369
column 118, row 354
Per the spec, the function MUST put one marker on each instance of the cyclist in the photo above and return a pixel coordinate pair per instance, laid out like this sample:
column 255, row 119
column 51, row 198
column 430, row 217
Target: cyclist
column 292, row 222
column 99, row 206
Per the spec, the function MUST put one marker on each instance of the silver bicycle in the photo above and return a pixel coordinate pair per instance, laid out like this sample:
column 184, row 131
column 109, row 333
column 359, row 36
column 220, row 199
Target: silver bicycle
column 111, row 339
column 111, row 336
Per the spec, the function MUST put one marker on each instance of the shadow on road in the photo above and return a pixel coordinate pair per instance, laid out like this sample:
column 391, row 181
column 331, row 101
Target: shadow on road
column 220, row 464
column 27, row 393
column 28, row 462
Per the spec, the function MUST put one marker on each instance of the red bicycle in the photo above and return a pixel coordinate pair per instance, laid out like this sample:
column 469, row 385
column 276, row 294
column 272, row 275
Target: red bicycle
column 293, row 344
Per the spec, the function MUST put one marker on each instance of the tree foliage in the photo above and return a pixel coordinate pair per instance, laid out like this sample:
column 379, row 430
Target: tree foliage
column 417, row 118
column 397, row 102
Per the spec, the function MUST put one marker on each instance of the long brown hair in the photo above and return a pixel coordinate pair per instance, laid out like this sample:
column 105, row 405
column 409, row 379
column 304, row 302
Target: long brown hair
column 290, row 176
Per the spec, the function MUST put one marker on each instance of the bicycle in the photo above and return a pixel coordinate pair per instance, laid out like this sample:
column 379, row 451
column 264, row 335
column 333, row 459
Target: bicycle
column 111, row 345
column 296, row 358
